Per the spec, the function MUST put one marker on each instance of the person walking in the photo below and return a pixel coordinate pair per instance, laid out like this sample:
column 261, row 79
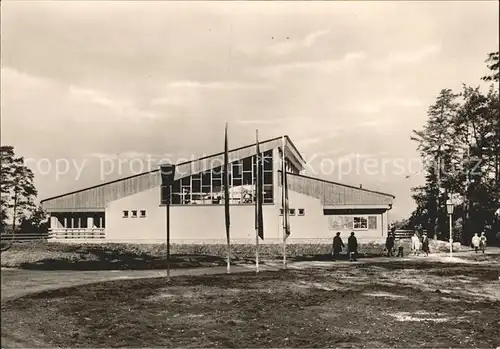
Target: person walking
column 338, row 244
column 476, row 242
column 415, row 244
column 425, row 244
column 352, row 247
column 400, row 248
column 389, row 244
column 482, row 242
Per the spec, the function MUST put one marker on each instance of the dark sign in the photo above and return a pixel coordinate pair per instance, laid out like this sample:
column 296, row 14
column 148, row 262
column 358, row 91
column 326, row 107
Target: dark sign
column 167, row 173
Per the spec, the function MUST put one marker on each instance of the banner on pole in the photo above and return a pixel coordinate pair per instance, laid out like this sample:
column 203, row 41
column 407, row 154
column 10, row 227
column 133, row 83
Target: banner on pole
column 259, row 187
column 284, row 186
column 226, row 185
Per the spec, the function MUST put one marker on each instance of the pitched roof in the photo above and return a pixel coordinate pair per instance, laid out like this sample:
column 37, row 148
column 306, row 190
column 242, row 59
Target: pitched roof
column 97, row 196
column 333, row 193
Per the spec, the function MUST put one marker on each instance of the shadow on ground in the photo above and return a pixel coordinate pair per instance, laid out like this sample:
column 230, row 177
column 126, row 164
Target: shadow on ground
column 328, row 257
column 109, row 259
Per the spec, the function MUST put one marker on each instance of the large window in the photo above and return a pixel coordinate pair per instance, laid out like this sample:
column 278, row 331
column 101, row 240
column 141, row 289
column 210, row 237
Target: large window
column 360, row 223
column 207, row 187
column 352, row 223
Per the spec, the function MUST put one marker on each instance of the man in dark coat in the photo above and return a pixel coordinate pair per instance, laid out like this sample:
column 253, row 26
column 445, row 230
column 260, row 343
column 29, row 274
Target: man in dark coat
column 352, row 247
column 338, row 244
column 389, row 244
column 425, row 244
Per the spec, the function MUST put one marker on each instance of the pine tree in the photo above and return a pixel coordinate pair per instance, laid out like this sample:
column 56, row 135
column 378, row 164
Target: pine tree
column 23, row 192
column 463, row 137
column 6, row 162
column 17, row 188
column 436, row 146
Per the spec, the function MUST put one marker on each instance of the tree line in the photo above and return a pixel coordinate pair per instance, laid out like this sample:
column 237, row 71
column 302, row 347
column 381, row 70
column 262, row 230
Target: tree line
column 460, row 148
column 18, row 211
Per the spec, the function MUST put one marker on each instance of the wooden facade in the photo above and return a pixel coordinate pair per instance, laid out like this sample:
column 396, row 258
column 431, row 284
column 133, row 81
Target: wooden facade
column 96, row 198
column 331, row 193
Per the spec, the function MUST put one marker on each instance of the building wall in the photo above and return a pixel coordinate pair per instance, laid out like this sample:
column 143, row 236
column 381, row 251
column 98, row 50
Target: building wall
column 313, row 225
column 205, row 223
column 188, row 223
column 365, row 235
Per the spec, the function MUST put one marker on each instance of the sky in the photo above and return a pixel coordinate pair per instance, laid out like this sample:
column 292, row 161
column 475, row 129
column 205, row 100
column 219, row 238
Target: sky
column 92, row 91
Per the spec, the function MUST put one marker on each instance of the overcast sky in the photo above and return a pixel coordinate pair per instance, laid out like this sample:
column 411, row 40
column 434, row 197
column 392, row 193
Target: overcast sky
column 88, row 82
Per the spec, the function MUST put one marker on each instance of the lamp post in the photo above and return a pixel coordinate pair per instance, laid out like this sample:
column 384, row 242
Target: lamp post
column 449, row 208
column 167, row 173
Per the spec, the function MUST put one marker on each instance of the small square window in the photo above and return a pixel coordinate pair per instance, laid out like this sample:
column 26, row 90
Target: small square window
column 301, row 212
column 125, row 214
column 134, row 214
column 292, row 212
column 143, row 213
column 281, row 211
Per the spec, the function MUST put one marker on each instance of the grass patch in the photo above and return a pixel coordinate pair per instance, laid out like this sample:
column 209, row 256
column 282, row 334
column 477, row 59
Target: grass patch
column 61, row 256
column 345, row 306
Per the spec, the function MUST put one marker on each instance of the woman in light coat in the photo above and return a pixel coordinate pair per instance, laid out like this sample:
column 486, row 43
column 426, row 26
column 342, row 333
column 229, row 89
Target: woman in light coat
column 476, row 242
column 415, row 244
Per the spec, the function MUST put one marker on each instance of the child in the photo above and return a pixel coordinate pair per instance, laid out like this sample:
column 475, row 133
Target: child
column 400, row 248
column 476, row 241
column 482, row 242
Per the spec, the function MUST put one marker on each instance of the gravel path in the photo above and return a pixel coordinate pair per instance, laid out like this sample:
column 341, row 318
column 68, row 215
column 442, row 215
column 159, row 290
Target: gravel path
column 20, row 282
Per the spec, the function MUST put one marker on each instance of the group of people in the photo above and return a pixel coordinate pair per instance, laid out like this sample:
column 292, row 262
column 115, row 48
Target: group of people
column 479, row 242
column 352, row 247
column 420, row 244
column 417, row 244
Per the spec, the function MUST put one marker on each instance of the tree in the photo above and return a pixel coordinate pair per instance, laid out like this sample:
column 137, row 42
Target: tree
column 17, row 188
column 463, row 137
column 493, row 65
column 6, row 163
column 436, row 146
column 35, row 223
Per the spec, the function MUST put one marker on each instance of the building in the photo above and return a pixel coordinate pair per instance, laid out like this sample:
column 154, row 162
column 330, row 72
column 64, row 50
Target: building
column 128, row 210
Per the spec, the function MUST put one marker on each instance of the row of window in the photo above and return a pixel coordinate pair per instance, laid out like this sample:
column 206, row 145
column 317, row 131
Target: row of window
column 352, row 222
column 81, row 221
column 207, row 187
column 133, row 214
column 291, row 212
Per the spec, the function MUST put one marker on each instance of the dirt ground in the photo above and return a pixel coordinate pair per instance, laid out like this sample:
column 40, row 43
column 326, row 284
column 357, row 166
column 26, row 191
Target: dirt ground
column 387, row 303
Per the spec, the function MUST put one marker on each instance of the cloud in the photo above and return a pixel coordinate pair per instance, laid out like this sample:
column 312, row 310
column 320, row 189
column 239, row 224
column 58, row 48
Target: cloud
column 322, row 66
column 230, row 85
column 377, row 106
column 308, row 141
column 123, row 108
column 260, row 121
column 126, row 155
column 288, row 46
column 407, row 57
column 173, row 100
column 11, row 76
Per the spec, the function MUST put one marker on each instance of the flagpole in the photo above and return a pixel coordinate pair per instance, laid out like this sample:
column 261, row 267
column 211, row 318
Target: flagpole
column 257, row 203
column 283, row 200
column 226, row 200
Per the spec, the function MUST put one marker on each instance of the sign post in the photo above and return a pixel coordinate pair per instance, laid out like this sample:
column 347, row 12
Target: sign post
column 167, row 173
column 449, row 208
